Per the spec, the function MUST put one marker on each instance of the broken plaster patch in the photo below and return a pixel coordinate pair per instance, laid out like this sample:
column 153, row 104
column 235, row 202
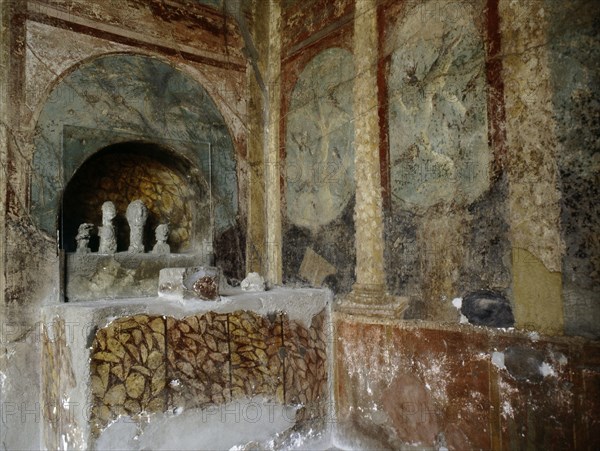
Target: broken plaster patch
column 498, row 360
column 457, row 303
column 507, row 410
column 547, row 370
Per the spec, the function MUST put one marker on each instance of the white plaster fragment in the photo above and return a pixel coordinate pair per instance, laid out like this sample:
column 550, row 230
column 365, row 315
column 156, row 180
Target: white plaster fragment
column 253, row 282
column 498, row 360
column 457, row 302
column 507, row 409
column 547, row 370
column 562, row 359
column 379, row 417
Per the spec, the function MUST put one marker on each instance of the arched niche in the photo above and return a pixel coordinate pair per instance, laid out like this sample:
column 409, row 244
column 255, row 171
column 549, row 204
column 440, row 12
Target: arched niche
column 172, row 188
column 121, row 98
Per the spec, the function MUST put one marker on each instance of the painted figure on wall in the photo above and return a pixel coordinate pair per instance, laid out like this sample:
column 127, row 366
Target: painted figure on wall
column 437, row 109
column 319, row 141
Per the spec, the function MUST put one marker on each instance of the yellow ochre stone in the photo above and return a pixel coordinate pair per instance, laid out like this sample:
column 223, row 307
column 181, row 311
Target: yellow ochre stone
column 135, row 384
column 215, row 365
column 137, row 336
column 115, row 395
column 538, row 303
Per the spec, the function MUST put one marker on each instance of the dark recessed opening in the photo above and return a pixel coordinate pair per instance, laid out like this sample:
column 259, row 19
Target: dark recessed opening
column 124, row 172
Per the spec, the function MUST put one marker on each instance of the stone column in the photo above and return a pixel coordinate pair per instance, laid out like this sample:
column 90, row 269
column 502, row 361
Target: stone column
column 256, row 40
column 369, row 295
column 534, row 197
column 4, row 133
column 20, row 296
column 13, row 167
column 14, row 152
column 272, row 163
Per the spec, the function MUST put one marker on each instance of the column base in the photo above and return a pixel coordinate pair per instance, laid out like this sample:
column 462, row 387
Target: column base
column 373, row 300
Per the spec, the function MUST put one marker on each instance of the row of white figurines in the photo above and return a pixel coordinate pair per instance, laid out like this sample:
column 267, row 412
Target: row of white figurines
column 136, row 215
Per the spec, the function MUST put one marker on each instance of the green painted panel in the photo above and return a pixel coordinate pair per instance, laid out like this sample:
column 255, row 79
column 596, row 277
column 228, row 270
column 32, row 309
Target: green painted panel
column 129, row 97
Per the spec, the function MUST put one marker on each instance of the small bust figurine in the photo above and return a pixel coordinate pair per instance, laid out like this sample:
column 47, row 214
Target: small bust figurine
column 108, row 241
column 162, row 233
column 83, row 238
column 137, row 213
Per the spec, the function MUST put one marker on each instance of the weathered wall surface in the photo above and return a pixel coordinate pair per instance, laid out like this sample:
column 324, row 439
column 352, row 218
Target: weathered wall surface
column 317, row 144
column 488, row 124
column 446, row 225
column 319, row 167
column 574, row 59
column 46, row 43
column 477, row 194
column 446, row 217
column 258, row 52
column 306, row 22
column 534, row 196
column 22, row 247
column 418, row 384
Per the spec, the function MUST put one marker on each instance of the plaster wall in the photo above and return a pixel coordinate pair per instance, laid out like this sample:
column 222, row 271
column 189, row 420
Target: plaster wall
column 534, row 197
column 43, row 44
column 422, row 385
column 495, row 193
column 573, row 48
column 439, row 166
column 487, row 123
column 477, row 194
column 318, row 187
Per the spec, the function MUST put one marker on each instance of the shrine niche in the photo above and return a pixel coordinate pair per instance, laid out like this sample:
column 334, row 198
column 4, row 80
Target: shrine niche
column 122, row 173
column 131, row 210
column 120, row 128
column 127, row 98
